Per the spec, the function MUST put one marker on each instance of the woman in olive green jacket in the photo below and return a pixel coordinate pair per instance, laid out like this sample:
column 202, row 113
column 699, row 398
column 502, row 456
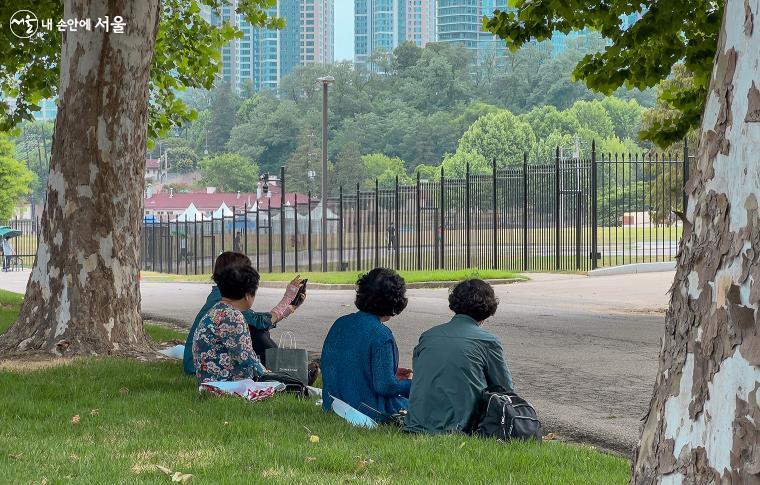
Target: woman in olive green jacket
column 455, row 362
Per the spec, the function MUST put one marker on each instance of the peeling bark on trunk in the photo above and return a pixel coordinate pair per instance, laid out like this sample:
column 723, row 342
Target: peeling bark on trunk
column 83, row 296
column 703, row 424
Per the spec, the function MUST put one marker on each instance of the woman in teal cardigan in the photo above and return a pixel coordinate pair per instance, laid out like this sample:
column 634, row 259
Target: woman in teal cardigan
column 259, row 322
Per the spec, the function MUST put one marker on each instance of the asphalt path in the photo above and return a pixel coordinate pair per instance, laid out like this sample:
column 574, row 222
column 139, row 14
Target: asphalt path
column 582, row 350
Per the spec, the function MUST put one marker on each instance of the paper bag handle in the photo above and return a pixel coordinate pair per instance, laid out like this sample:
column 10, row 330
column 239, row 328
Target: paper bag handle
column 293, row 343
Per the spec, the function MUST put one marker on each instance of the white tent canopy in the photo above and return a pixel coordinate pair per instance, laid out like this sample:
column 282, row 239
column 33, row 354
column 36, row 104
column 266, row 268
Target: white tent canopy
column 191, row 214
column 222, row 211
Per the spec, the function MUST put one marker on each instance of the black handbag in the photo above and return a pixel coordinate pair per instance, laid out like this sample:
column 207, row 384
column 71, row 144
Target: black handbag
column 507, row 416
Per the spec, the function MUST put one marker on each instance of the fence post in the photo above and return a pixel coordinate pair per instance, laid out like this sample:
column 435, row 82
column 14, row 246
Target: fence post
column 308, row 229
column 245, row 228
column 258, row 240
column 203, row 245
column 295, row 231
column 443, row 218
column 468, row 261
column 377, row 223
column 418, row 221
column 282, row 219
column 397, row 242
column 525, row 211
column 176, row 243
column 195, row 245
column 340, row 228
column 234, row 228
column 269, row 232
column 556, row 210
column 685, row 173
column 594, row 215
column 578, row 197
column 495, row 220
column 358, row 229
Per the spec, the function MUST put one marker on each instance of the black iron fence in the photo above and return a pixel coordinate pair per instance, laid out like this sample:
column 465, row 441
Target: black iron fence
column 567, row 215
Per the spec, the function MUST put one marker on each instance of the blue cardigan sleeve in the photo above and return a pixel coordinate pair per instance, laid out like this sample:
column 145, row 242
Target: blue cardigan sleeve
column 258, row 320
column 384, row 380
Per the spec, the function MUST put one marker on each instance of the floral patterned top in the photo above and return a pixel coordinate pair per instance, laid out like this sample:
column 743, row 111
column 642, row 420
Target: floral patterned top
column 222, row 348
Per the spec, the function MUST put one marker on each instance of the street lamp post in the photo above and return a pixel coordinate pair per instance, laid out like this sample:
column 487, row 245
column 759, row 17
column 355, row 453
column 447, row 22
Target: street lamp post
column 325, row 81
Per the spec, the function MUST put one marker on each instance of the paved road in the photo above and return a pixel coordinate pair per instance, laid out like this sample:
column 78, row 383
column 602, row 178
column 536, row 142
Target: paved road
column 582, row 350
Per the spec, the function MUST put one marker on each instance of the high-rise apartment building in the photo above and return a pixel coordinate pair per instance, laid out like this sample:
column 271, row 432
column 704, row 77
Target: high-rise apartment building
column 420, row 21
column 263, row 57
column 461, row 22
column 381, row 25
column 317, row 32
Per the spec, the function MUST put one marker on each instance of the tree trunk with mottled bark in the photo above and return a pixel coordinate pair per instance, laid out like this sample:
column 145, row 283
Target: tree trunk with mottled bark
column 703, row 424
column 83, row 296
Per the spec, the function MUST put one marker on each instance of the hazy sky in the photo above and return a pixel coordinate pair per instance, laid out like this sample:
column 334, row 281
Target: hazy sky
column 344, row 30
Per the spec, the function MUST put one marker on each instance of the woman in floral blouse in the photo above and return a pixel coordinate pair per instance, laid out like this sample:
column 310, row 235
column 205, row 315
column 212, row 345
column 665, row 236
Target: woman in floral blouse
column 222, row 348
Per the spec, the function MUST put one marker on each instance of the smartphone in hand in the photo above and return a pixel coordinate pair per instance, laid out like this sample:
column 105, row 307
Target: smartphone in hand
column 300, row 294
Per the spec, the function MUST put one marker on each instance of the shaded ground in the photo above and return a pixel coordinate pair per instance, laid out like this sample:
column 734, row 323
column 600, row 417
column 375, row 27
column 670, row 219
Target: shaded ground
column 582, row 350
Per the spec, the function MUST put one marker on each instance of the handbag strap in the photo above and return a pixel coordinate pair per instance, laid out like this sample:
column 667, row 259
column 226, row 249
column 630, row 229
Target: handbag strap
column 293, row 343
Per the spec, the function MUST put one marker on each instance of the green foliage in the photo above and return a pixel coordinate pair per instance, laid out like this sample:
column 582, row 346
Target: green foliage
column 638, row 57
column 306, row 157
column 545, row 120
column 182, row 159
column 349, row 168
column 385, row 169
column 593, row 116
column 14, row 178
column 500, row 136
column 270, row 137
column 225, row 102
column 33, row 148
column 186, row 55
column 625, row 116
column 229, row 172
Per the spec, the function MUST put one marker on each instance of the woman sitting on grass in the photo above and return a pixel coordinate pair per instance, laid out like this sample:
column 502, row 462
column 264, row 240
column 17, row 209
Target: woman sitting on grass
column 258, row 322
column 222, row 348
column 360, row 356
column 455, row 362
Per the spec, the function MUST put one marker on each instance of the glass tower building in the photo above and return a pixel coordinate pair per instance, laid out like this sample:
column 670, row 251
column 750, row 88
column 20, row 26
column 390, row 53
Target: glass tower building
column 381, row 25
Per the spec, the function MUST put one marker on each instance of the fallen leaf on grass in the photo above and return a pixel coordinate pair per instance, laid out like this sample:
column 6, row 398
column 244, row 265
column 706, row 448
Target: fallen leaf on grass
column 462, row 445
column 123, row 391
column 310, row 459
column 75, row 420
column 363, row 463
column 550, row 437
column 164, row 469
column 181, row 477
column 95, row 412
column 314, row 439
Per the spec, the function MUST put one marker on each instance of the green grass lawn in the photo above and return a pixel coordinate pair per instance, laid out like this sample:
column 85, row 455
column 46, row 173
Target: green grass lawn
column 136, row 415
column 349, row 277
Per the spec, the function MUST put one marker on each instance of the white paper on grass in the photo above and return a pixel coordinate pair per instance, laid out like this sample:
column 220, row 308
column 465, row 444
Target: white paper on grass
column 352, row 415
column 176, row 352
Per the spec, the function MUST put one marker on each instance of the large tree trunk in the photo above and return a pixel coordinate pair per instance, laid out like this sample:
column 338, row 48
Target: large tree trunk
column 703, row 424
column 83, row 295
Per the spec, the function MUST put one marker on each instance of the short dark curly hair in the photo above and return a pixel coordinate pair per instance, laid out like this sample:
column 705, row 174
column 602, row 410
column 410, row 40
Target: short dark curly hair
column 237, row 281
column 474, row 298
column 381, row 292
column 229, row 258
